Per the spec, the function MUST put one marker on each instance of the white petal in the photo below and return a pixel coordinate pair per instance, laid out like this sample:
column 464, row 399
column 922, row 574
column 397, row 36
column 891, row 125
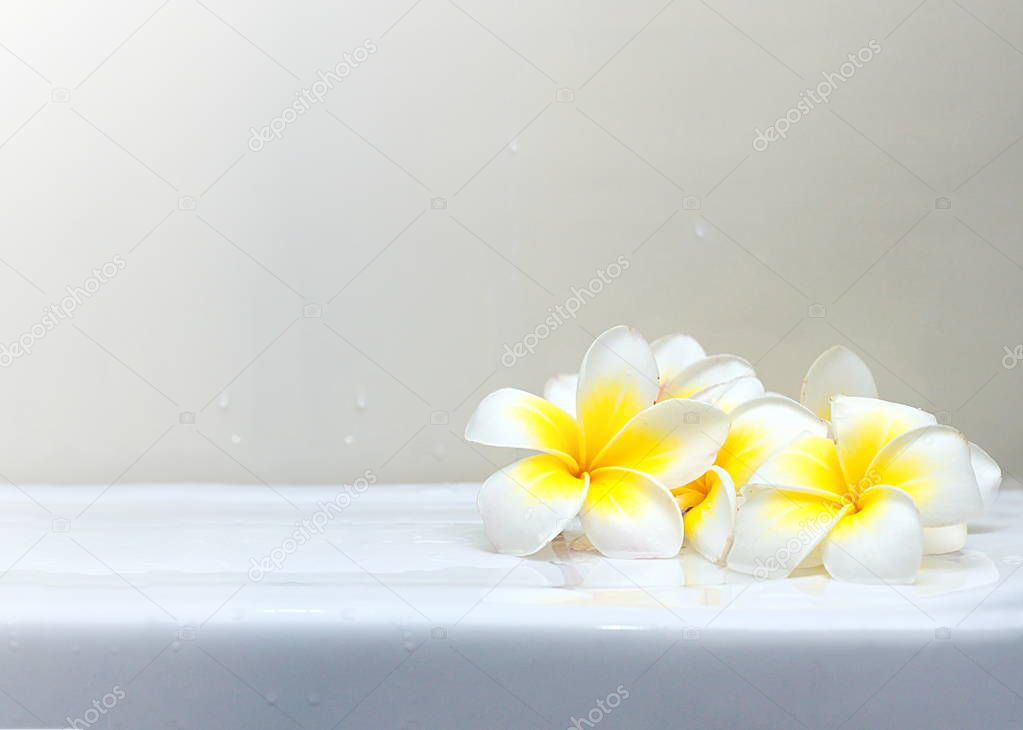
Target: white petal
column 618, row 379
column 674, row 441
column 808, row 462
column 947, row 539
column 863, row 426
column 629, row 515
column 527, row 504
column 932, row 465
column 882, row 542
column 759, row 428
column 674, row 353
column 729, row 396
column 837, row 371
column 521, row 420
column 775, row 530
column 988, row 473
column 704, row 373
column 709, row 525
column 560, row 390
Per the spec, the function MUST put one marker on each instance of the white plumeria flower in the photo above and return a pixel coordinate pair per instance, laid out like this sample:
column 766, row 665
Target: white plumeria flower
column 862, row 497
column 684, row 370
column 840, row 371
column 608, row 465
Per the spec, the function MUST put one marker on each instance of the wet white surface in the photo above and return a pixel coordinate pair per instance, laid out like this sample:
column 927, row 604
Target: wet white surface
column 253, row 579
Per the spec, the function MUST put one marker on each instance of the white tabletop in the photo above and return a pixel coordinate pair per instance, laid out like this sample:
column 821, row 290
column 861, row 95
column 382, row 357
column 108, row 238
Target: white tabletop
column 316, row 607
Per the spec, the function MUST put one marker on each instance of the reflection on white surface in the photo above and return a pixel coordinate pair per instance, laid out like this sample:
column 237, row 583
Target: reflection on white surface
column 402, row 554
column 580, row 567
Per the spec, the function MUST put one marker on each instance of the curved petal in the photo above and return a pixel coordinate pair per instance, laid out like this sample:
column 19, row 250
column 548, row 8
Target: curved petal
column 704, row 373
column 759, row 428
column 882, row 542
column 674, row 441
column 527, row 504
column 808, row 461
column 775, row 530
column 709, row 524
column 863, row 426
column 674, row 353
column 988, row 474
column 520, row 420
column 836, row 371
column 729, row 396
column 618, row 379
column 629, row 515
column 560, row 390
column 932, row 465
column 947, row 539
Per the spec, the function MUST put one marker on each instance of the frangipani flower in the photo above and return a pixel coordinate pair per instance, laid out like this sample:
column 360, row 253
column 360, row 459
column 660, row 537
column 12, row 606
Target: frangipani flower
column 758, row 428
column 608, row 465
column 726, row 381
column 839, row 371
column 862, row 496
column 684, row 370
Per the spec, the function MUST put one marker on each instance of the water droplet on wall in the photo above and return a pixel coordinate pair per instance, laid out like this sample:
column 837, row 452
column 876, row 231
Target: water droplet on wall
column 223, row 400
column 236, row 439
column 349, row 440
column 360, row 399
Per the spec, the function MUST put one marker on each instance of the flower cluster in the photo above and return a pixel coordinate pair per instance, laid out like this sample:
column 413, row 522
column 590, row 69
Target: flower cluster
column 654, row 445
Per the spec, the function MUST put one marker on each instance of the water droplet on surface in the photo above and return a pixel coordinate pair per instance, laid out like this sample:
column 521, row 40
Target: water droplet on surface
column 699, row 229
column 313, row 698
column 360, row 399
column 349, row 440
column 223, row 400
column 514, row 145
column 236, row 439
column 271, row 698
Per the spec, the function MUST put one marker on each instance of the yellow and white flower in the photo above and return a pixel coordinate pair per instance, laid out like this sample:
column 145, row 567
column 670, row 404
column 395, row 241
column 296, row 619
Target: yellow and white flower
column 684, row 370
column 607, row 461
column 856, row 502
column 758, row 428
column 839, row 371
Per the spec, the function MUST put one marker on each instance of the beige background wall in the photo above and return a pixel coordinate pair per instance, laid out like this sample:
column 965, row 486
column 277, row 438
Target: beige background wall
column 339, row 299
